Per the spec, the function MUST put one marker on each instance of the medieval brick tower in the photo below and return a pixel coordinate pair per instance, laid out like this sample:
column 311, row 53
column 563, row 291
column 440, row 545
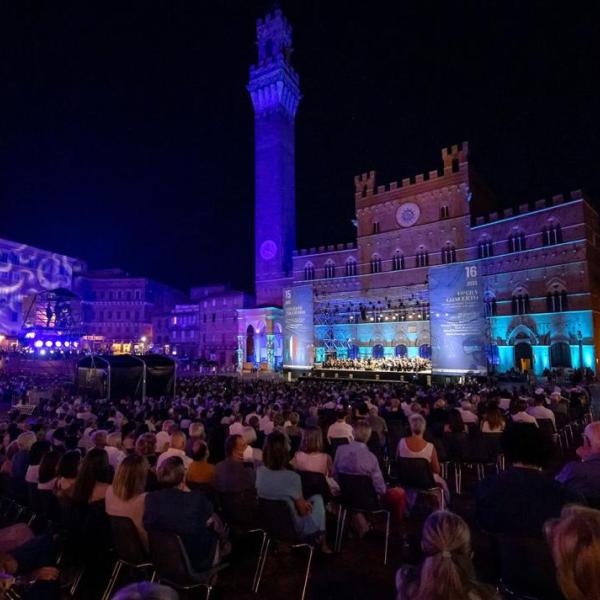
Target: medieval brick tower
column 274, row 89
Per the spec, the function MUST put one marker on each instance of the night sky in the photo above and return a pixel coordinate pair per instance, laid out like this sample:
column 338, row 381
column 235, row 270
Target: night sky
column 126, row 131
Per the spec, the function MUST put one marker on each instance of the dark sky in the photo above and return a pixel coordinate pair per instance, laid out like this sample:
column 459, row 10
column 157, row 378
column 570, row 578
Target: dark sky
column 126, row 129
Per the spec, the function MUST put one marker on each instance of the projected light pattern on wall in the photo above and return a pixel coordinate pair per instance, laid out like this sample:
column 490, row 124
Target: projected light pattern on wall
column 25, row 271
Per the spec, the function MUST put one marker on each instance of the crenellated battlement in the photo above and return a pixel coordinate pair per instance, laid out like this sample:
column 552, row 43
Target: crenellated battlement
column 528, row 207
column 454, row 158
column 325, row 249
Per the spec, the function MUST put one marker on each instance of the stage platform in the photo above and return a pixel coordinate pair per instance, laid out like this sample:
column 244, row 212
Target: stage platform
column 369, row 375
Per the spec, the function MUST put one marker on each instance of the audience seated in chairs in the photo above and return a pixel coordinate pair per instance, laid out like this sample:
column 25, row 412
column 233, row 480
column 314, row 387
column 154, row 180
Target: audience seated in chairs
column 583, row 477
column 274, row 481
column 188, row 513
column 447, row 571
column 126, row 496
column 574, row 541
column 520, row 499
column 310, row 457
column 356, row 459
column 414, row 446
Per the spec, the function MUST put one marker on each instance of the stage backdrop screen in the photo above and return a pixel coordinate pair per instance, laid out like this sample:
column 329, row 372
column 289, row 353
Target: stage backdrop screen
column 298, row 329
column 458, row 324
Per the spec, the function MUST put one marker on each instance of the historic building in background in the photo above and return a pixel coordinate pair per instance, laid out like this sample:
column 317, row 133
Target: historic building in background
column 118, row 309
column 371, row 296
column 205, row 327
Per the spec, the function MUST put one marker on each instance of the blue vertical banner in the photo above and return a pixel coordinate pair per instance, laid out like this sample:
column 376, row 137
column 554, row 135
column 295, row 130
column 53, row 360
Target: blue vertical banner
column 298, row 327
column 458, row 323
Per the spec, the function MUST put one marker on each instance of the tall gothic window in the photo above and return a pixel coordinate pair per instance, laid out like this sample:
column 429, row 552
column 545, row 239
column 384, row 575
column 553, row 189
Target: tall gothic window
column 375, row 226
column 309, row 272
column 329, row 269
column 422, row 258
column 375, row 264
column 448, row 254
column 552, row 234
column 517, row 242
column 557, row 301
column 520, row 304
column 397, row 262
column 486, row 248
column 444, row 212
column 350, row 267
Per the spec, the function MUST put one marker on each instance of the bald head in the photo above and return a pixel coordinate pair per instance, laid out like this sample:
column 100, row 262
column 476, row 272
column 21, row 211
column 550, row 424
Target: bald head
column 592, row 434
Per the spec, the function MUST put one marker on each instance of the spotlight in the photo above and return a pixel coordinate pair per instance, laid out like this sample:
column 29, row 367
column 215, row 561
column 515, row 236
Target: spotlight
column 49, row 344
column 38, row 343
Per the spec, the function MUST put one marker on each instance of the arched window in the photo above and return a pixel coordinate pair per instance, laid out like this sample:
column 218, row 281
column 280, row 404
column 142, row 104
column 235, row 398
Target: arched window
column 485, row 248
column 309, row 272
column 377, row 351
column 250, row 344
column 444, row 211
column 557, row 301
column 422, row 258
column 552, row 234
column 401, row 350
column 425, row 351
column 520, row 304
column 375, row 226
column 517, row 242
column 398, row 261
column 350, row 267
column 376, row 264
column 329, row 269
column 448, row 254
column 560, row 355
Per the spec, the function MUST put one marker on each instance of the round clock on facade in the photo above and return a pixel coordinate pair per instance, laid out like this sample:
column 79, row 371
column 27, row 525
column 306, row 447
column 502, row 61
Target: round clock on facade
column 268, row 249
column 408, row 214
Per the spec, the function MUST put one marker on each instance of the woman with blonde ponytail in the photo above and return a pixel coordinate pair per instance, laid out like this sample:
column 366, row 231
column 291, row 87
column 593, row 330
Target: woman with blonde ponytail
column 446, row 572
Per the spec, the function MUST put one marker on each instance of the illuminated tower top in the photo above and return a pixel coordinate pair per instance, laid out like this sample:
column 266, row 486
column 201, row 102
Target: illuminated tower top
column 274, row 89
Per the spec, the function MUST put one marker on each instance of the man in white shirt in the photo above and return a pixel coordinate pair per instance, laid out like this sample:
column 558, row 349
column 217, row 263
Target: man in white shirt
column 521, row 416
column 340, row 429
column 176, row 448
column 163, row 437
column 539, row 411
column 467, row 413
column 236, row 428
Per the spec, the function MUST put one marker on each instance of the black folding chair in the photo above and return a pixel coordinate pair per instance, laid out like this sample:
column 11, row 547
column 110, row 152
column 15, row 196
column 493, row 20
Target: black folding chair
column 277, row 519
column 415, row 474
column 489, row 453
column 458, row 452
column 173, row 566
column 129, row 549
column 358, row 495
column 314, row 484
column 240, row 512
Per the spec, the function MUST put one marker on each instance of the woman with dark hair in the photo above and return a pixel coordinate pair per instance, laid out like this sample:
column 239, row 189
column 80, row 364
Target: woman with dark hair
column 66, row 473
column 47, row 472
column 274, row 481
column 38, row 449
column 493, row 421
column 93, row 478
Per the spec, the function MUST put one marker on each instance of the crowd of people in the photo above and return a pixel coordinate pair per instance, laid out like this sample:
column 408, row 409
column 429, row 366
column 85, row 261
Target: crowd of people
column 402, row 364
column 169, row 464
